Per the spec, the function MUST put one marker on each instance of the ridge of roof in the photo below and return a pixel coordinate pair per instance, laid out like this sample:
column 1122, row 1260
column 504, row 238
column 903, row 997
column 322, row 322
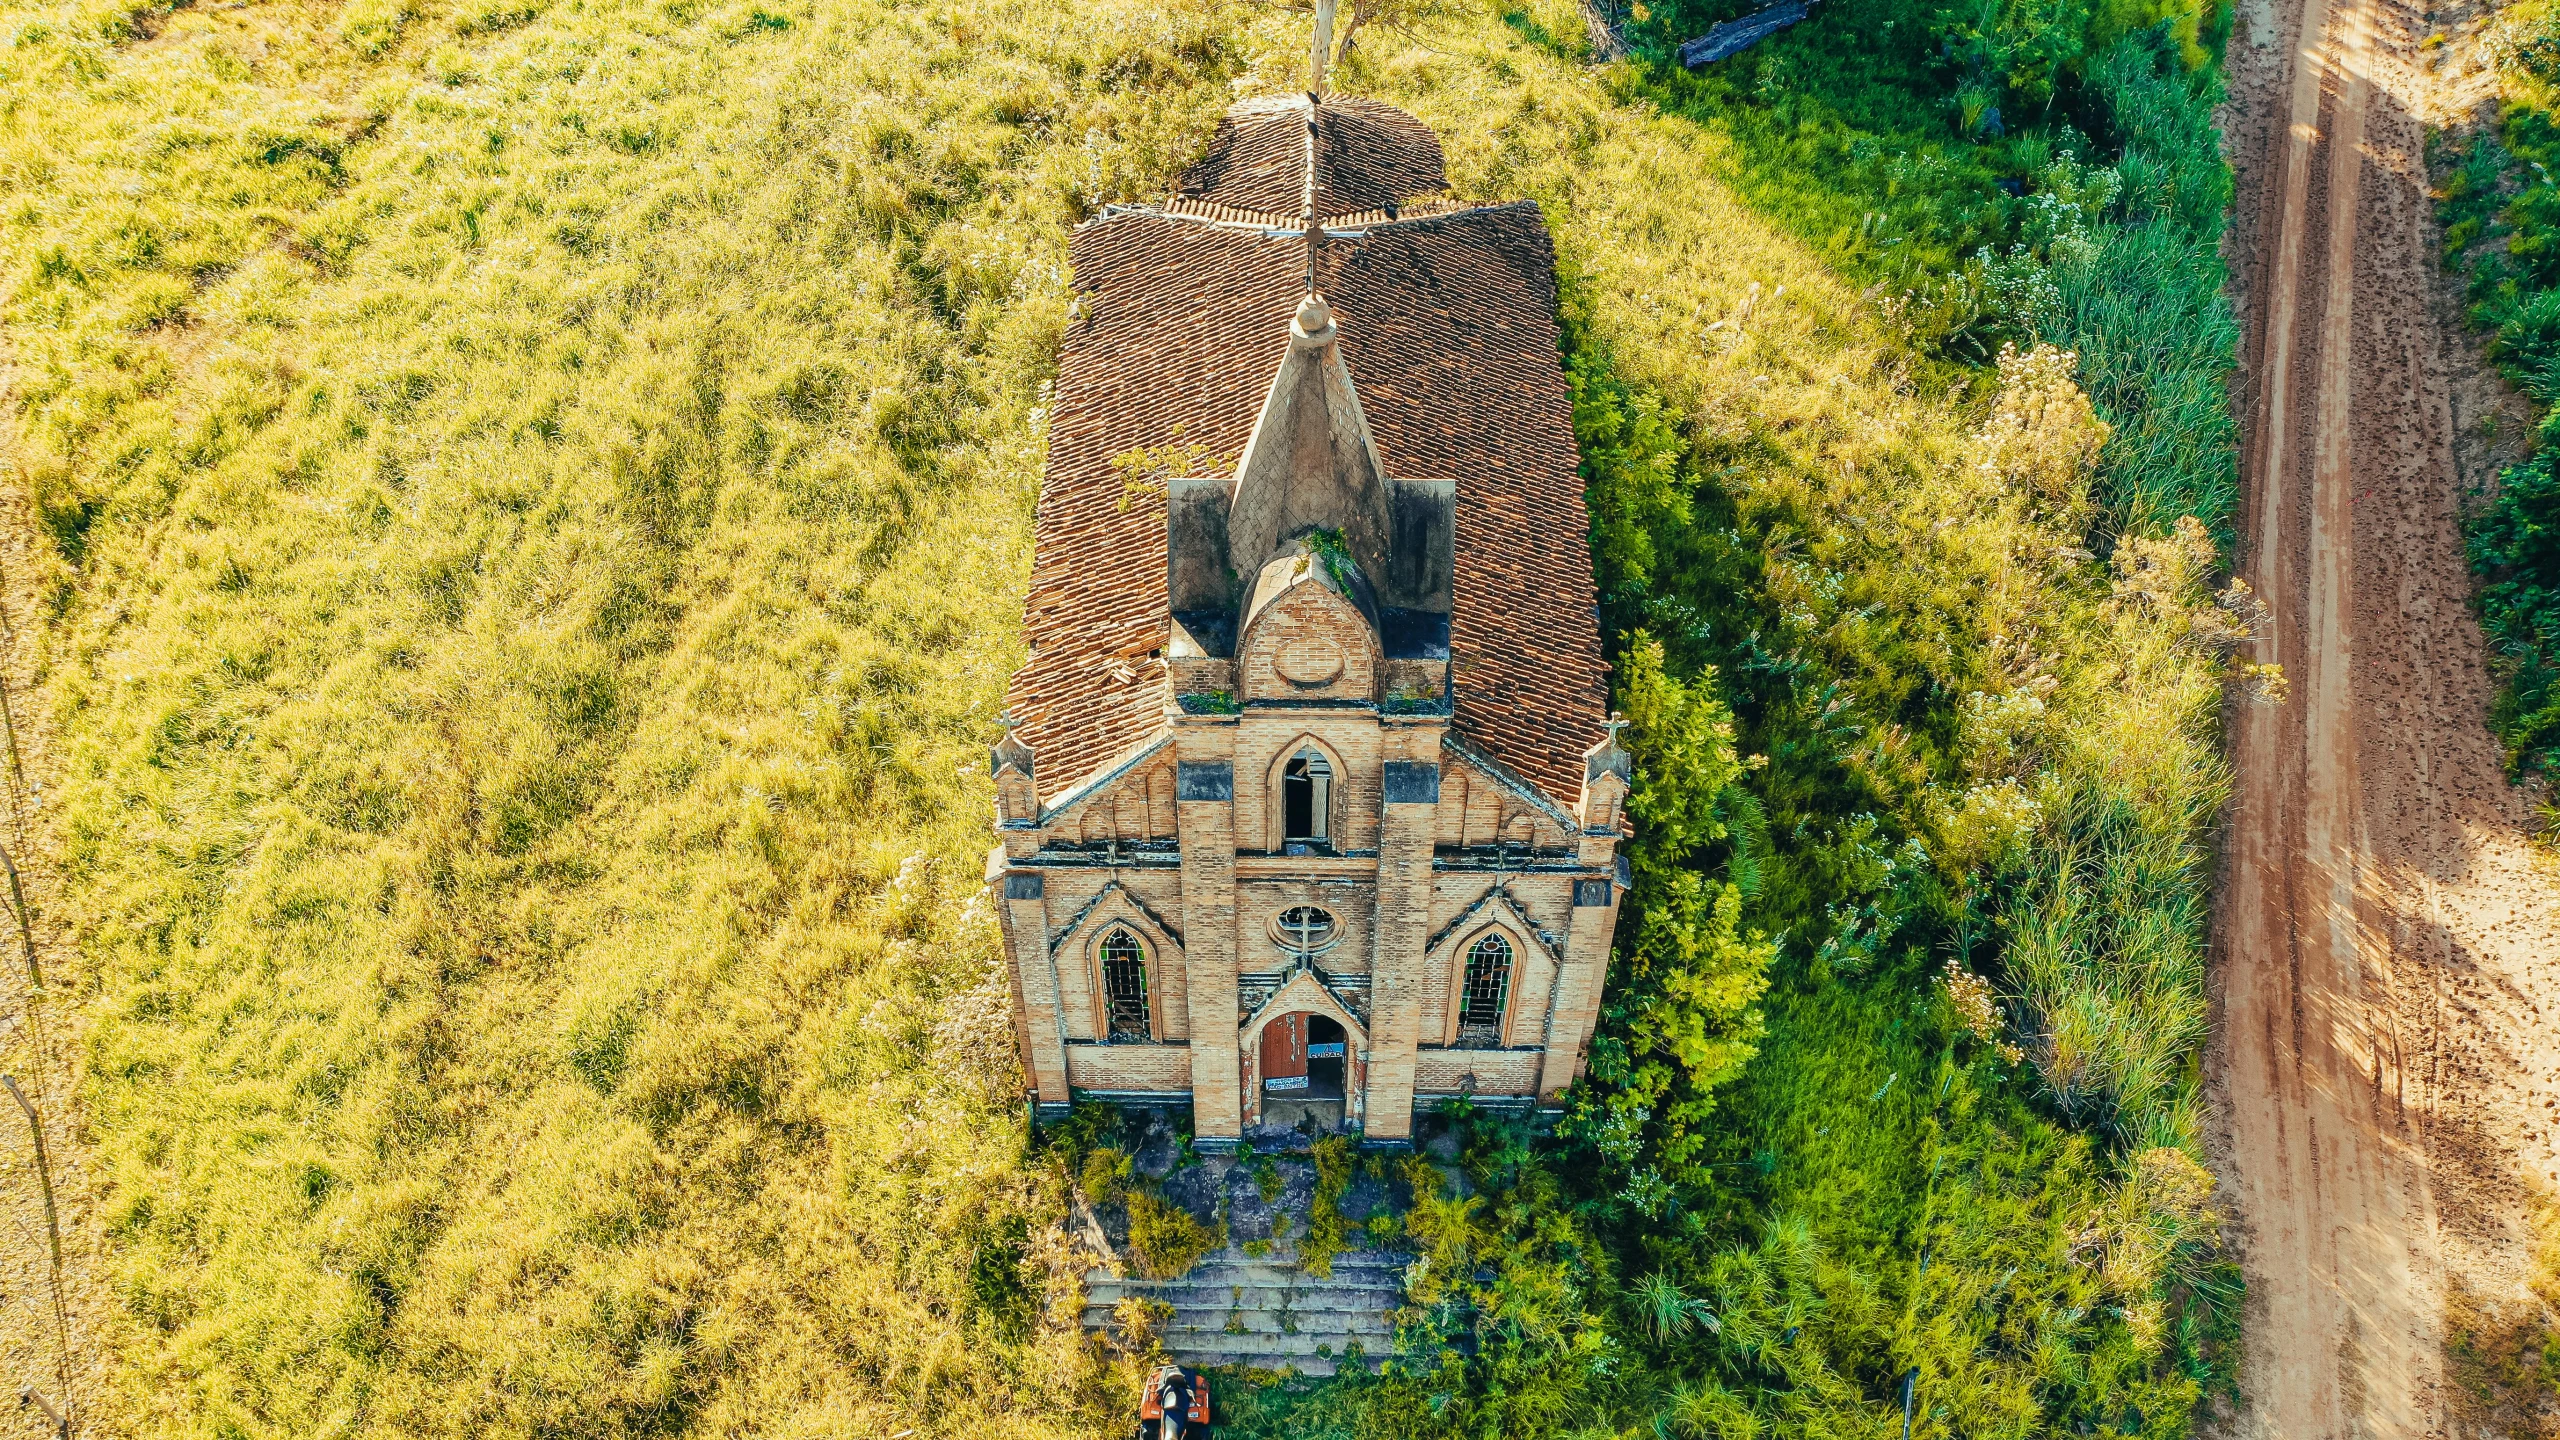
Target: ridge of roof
column 1347, row 226
column 1368, row 155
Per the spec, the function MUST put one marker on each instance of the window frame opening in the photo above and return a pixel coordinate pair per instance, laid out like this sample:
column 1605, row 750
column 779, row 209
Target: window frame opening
column 1126, row 1013
column 1304, row 929
column 1306, row 799
column 1484, row 990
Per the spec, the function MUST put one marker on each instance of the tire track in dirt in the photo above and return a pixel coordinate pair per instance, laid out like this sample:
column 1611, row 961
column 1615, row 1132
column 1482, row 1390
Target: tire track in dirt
column 2373, row 1139
column 40, row 1037
column 40, row 1033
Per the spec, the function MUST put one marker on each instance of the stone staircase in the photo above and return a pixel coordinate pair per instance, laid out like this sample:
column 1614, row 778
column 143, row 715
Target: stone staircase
column 1237, row 1309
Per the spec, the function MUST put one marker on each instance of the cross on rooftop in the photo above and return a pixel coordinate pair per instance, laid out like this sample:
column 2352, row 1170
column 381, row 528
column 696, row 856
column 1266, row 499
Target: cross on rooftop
column 1615, row 723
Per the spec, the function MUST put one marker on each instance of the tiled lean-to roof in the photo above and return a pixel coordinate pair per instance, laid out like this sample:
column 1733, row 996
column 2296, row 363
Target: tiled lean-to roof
column 1447, row 321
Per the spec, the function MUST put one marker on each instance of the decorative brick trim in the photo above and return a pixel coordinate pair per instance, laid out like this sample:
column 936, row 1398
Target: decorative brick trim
column 1170, row 931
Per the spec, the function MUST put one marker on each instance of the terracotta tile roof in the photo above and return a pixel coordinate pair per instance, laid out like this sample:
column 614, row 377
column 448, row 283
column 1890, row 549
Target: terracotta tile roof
column 1369, row 156
column 1448, row 328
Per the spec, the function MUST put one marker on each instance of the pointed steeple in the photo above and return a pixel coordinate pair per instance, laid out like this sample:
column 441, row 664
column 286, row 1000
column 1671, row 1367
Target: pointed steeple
column 1311, row 462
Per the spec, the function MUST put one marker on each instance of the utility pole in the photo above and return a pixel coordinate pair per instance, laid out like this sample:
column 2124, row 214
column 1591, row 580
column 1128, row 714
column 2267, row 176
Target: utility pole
column 1320, row 50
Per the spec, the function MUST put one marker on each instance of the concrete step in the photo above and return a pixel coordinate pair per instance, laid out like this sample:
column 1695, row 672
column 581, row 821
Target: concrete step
column 1182, row 1293
column 1299, row 1345
column 1281, row 1317
column 1302, row 1352
column 1216, row 1322
column 1230, row 1267
column 1272, row 1321
column 1211, row 1332
column 1206, row 1322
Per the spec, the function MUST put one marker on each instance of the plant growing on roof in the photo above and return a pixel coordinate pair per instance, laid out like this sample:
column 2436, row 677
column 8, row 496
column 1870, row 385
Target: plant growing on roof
column 1327, row 546
column 1147, row 469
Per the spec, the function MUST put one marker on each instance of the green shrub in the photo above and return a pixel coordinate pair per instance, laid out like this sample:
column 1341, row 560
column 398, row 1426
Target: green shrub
column 2501, row 214
column 1104, row 1175
column 1680, row 1013
column 1329, row 1232
column 1165, row 1238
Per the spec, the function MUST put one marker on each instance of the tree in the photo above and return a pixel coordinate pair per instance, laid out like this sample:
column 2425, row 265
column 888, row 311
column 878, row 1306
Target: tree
column 1683, row 1016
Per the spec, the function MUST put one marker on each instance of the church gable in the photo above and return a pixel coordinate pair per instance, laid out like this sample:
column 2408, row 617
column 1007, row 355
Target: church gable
column 1132, row 805
column 1309, row 642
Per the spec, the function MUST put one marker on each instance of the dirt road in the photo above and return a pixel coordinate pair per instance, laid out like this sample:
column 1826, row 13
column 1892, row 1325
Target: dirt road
column 2387, row 934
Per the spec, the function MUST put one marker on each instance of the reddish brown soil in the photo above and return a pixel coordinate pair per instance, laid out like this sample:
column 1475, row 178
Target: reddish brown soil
column 2388, row 933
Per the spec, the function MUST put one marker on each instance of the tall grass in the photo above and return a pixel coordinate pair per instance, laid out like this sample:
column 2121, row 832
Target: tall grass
column 2104, row 946
column 542, row 495
column 542, row 499
column 2146, row 311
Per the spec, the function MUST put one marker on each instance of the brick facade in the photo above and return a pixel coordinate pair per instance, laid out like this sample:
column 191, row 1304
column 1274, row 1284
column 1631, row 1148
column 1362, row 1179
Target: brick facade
column 1316, row 733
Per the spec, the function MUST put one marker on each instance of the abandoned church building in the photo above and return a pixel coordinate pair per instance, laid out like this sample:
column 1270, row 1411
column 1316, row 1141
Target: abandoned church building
column 1308, row 798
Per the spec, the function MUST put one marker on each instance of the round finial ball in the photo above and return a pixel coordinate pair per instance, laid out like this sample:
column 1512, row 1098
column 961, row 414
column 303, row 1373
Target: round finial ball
column 1313, row 316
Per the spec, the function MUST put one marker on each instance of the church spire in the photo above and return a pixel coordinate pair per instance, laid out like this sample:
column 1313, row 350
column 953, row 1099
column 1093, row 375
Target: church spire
column 1310, row 462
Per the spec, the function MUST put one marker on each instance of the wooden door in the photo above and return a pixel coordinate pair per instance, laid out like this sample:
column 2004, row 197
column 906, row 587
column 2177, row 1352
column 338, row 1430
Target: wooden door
column 1284, row 1053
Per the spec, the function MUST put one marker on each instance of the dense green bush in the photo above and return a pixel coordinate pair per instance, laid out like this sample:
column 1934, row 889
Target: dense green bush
column 2501, row 210
column 1680, row 1017
column 1929, row 757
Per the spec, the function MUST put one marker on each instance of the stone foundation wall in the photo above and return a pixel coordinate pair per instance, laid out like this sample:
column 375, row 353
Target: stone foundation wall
column 1497, row 1072
column 1129, row 1067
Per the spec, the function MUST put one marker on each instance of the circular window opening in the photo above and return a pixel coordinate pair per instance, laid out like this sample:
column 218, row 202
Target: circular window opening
column 1304, row 930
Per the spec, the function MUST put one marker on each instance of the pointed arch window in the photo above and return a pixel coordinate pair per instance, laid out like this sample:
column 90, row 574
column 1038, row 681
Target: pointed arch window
column 1486, row 989
column 1124, row 982
column 1306, row 799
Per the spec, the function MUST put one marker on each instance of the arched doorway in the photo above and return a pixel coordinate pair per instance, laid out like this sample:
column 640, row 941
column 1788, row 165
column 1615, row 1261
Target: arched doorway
column 1328, row 1054
column 1305, row 1067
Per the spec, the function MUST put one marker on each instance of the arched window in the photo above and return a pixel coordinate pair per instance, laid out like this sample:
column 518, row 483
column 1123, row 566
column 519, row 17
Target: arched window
column 1488, row 985
column 1306, row 799
column 1124, row 980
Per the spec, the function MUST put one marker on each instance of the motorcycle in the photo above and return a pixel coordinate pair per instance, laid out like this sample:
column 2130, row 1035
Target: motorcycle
column 1175, row 1405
